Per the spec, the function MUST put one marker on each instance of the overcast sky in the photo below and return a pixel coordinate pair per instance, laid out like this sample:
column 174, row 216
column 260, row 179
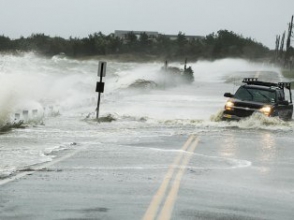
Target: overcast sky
column 261, row 20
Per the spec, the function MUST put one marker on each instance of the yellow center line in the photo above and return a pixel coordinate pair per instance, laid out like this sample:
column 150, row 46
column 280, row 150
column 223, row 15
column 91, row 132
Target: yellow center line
column 154, row 205
column 167, row 209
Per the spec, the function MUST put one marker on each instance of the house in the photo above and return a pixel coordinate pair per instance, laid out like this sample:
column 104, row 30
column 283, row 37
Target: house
column 153, row 34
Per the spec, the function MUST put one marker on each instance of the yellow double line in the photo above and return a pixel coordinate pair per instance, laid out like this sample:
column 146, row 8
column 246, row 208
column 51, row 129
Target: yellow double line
column 180, row 161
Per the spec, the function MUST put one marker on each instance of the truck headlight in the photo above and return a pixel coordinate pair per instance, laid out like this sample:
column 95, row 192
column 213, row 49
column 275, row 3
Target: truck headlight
column 266, row 110
column 229, row 105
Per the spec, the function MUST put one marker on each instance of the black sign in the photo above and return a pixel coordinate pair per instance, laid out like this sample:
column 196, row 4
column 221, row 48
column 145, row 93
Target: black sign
column 100, row 87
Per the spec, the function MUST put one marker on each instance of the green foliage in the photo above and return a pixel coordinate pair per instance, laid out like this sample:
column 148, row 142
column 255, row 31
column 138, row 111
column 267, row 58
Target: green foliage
column 5, row 43
column 228, row 44
column 220, row 45
column 144, row 42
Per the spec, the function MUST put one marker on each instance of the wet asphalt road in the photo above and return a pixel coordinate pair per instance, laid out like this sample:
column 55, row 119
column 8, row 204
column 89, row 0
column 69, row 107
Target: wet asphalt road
column 227, row 174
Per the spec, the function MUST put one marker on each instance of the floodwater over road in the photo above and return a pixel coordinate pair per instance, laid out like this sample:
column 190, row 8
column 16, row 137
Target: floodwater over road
column 226, row 170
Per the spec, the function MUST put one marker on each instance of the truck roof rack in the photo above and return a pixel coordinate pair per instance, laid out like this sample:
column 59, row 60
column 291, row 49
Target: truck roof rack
column 245, row 80
column 254, row 81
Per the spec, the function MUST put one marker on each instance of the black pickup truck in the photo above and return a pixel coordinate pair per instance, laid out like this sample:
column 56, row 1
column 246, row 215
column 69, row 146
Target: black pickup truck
column 258, row 96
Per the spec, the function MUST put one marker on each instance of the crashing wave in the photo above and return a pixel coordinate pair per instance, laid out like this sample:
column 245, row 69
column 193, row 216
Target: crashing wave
column 11, row 118
column 142, row 83
column 180, row 75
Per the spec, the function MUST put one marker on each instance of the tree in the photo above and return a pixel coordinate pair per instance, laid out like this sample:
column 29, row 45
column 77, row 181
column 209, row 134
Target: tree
column 131, row 42
column 181, row 43
column 114, row 44
column 39, row 43
column 163, row 45
column 222, row 44
column 144, row 42
column 5, row 43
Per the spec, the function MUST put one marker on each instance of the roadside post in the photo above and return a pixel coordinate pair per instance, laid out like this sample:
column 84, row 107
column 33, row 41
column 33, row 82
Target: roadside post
column 100, row 84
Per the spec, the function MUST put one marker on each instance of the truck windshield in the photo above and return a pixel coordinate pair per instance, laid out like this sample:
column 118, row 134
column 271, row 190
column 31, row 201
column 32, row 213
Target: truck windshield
column 256, row 95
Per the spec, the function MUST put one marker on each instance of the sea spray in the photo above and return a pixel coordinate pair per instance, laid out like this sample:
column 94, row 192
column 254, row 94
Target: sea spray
column 70, row 85
column 67, row 86
column 7, row 103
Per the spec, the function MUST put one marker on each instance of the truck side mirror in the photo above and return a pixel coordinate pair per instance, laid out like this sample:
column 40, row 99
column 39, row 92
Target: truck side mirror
column 228, row 95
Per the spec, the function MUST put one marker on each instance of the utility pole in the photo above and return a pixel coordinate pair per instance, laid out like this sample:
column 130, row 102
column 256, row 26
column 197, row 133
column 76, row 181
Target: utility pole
column 288, row 43
column 277, row 47
column 282, row 45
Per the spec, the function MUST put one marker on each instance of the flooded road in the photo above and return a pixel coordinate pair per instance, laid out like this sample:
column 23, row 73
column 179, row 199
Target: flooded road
column 163, row 142
column 227, row 174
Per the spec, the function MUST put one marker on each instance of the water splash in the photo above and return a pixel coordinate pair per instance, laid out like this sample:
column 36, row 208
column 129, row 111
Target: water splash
column 258, row 120
column 217, row 117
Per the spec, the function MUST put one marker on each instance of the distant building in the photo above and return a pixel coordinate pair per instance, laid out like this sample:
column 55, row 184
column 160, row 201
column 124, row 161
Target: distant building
column 153, row 34
column 122, row 34
column 188, row 37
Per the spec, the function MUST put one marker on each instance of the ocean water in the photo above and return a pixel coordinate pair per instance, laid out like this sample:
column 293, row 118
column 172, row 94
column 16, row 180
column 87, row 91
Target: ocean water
column 56, row 99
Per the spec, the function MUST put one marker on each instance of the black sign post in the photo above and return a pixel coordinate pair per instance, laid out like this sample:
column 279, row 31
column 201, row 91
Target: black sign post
column 100, row 84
